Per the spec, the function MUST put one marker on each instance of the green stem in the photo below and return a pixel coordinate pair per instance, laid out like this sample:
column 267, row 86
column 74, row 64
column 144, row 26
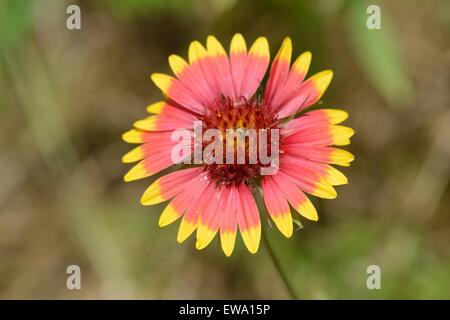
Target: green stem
column 277, row 264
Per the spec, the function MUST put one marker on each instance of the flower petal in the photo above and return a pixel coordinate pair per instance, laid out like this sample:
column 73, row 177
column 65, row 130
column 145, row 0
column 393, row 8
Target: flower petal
column 210, row 218
column 307, row 178
column 157, row 145
column 294, row 80
column 229, row 222
column 238, row 62
column 133, row 136
column 279, row 70
column 175, row 209
column 220, row 66
column 177, row 91
column 163, row 123
column 312, row 136
column 249, row 220
column 192, row 77
column 169, row 185
column 257, row 62
column 298, row 200
column 277, row 206
column 201, row 65
column 167, row 121
column 333, row 176
column 318, row 118
column 134, row 155
column 200, row 202
column 322, row 154
column 148, row 167
column 156, row 107
column 156, row 156
column 308, row 94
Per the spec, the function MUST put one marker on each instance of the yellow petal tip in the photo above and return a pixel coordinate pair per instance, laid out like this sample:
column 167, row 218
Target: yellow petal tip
column 325, row 190
column 168, row 216
column 252, row 238
column 177, row 64
column 196, row 52
column 148, row 124
column 185, row 230
column 285, row 51
column 238, row 44
column 341, row 135
column 134, row 155
column 204, row 236
column 132, row 136
column 307, row 210
column 162, row 81
column 322, row 80
column 136, row 173
column 302, row 63
column 335, row 177
column 152, row 195
column 341, row 157
column 156, row 108
column 336, row 115
column 260, row 48
column 285, row 224
column 227, row 240
column 214, row 47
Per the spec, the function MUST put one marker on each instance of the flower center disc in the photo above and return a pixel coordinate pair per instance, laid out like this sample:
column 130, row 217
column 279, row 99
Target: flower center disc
column 240, row 116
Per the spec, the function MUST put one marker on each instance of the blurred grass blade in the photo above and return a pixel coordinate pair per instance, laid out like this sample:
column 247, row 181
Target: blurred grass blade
column 378, row 54
column 15, row 18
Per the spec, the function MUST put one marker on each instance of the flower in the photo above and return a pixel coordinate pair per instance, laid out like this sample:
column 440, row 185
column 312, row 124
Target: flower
column 220, row 92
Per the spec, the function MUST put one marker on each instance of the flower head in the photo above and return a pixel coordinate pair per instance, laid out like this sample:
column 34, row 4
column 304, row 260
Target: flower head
column 214, row 95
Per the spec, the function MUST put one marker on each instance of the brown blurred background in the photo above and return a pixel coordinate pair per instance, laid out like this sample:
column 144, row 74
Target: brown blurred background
column 67, row 96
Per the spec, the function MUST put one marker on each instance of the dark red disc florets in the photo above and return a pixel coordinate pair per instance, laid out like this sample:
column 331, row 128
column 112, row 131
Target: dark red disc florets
column 241, row 114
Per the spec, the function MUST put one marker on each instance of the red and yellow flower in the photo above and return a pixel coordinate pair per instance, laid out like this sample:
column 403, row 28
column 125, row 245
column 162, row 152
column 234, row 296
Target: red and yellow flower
column 220, row 90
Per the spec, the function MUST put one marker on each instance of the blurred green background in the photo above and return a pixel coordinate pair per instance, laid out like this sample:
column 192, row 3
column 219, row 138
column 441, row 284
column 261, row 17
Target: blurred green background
column 67, row 96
